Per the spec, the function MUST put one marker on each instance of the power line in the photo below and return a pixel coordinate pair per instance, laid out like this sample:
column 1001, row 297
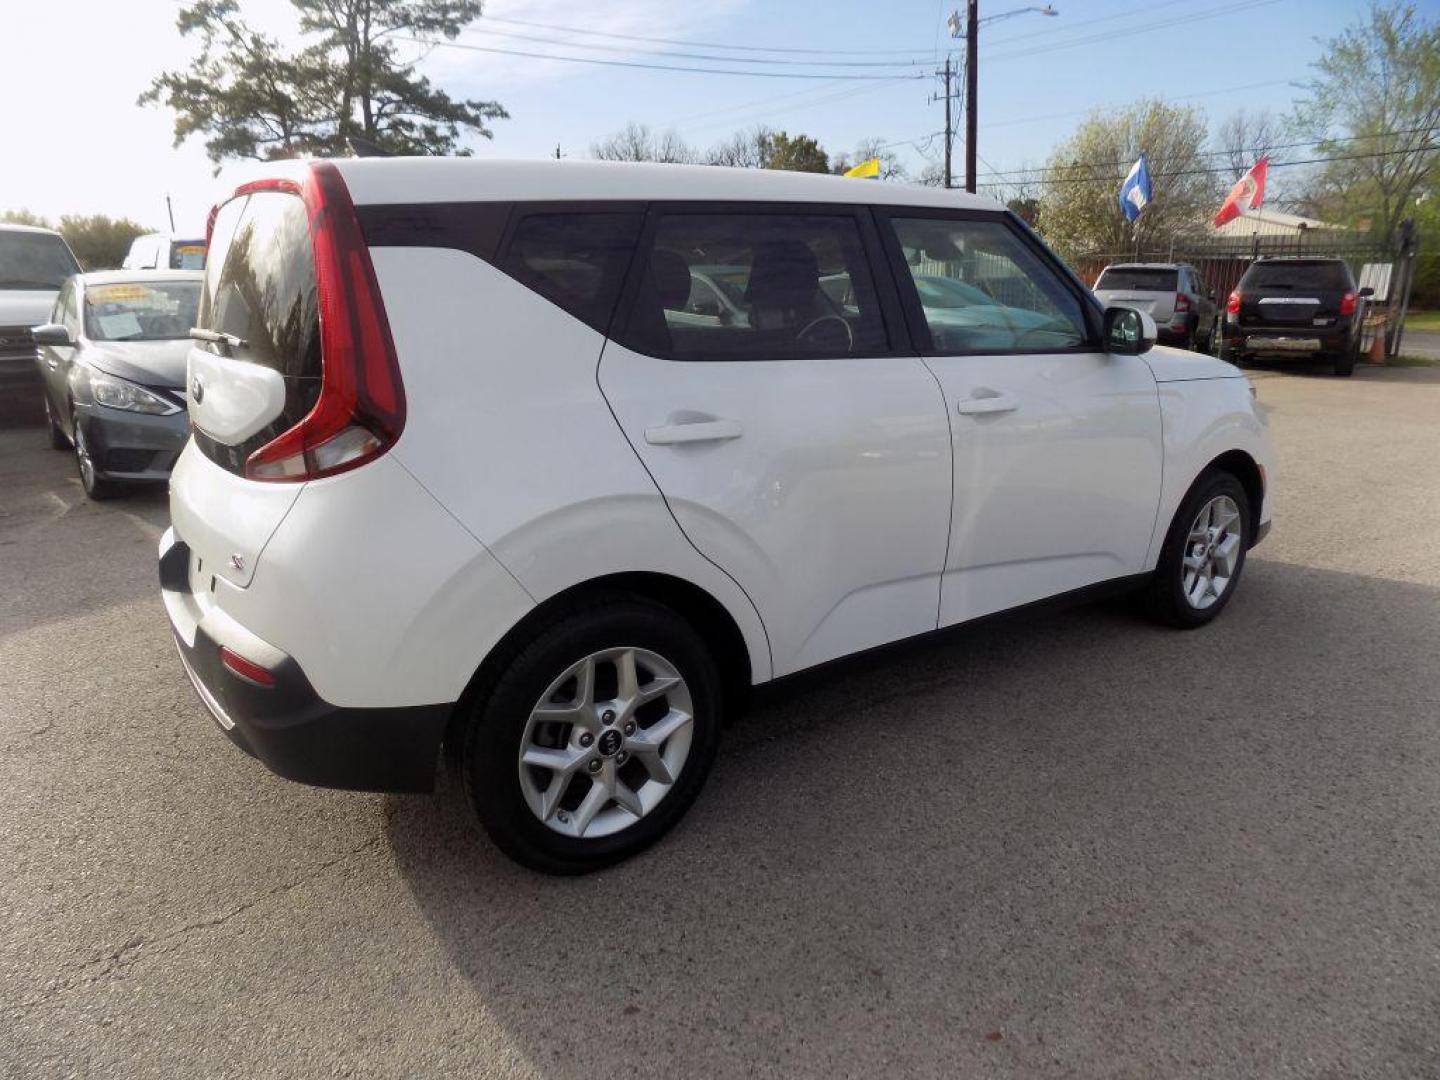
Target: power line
column 633, row 51
column 703, row 44
column 1176, row 101
column 1110, row 35
column 656, row 67
column 1047, row 31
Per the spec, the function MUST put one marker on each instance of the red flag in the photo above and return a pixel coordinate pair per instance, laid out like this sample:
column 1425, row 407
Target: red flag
column 1247, row 194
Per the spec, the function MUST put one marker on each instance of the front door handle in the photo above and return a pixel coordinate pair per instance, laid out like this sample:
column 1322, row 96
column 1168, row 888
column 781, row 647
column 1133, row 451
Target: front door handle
column 987, row 402
column 694, row 431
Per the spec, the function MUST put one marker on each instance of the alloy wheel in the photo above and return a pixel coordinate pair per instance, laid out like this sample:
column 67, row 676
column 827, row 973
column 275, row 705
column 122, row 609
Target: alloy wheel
column 82, row 458
column 606, row 743
column 1212, row 552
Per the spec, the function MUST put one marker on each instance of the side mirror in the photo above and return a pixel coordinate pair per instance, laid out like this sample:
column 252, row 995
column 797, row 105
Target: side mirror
column 1367, row 291
column 52, row 334
column 1128, row 332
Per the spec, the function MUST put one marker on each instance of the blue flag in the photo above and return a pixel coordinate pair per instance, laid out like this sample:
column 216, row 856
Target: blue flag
column 1135, row 191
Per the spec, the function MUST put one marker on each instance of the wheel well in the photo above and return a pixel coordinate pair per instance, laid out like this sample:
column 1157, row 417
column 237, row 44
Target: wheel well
column 692, row 603
column 1242, row 466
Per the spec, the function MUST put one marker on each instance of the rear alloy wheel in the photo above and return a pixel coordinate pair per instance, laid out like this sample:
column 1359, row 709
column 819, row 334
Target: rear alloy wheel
column 596, row 739
column 1204, row 553
column 94, row 486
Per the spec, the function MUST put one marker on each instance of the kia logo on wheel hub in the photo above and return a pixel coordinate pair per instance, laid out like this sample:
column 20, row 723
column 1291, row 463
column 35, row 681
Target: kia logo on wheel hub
column 610, row 742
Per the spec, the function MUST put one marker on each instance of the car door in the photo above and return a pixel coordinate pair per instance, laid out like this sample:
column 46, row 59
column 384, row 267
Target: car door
column 55, row 360
column 1057, row 443
column 800, row 444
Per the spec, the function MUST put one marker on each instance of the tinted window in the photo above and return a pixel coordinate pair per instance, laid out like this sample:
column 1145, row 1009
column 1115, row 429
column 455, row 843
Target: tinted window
column 574, row 260
column 1298, row 275
column 260, row 284
column 756, row 287
column 141, row 310
column 981, row 289
column 34, row 260
column 1137, row 279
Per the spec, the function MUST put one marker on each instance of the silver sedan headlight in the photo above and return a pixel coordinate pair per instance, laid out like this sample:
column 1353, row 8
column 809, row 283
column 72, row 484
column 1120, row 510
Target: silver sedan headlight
column 117, row 393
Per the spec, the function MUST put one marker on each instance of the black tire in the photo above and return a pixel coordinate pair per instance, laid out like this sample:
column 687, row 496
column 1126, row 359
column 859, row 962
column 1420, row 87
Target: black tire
column 1164, row 598
column 58, row 441
column 1231, row 354
column 490, row 751
column 1343, row 365
column 1190, row 344
column 95, row 487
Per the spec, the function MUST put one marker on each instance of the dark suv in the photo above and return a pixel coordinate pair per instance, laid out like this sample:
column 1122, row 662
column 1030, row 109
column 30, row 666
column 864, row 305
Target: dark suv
column 1295, row 307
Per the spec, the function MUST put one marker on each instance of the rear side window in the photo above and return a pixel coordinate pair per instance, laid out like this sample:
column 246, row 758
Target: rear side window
column 575, row 260
column 1329, row 276
column 187, row 255
column 756, row 286
column 260, row 283
column 1138, row 279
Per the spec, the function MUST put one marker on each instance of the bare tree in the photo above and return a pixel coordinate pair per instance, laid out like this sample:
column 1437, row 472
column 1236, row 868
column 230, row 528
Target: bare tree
column 1244, row 137
column 744, row 150
column 636, row 142
column 873, row 147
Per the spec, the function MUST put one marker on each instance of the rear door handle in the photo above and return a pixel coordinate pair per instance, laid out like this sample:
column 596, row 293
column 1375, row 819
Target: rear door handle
column 694, row 431
column 987, row 403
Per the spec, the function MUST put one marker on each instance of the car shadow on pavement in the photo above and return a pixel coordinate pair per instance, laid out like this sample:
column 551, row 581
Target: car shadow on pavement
column 1076, row 839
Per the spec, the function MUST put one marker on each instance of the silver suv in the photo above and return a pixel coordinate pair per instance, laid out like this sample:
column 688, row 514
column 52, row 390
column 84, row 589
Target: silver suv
column 1173, row 294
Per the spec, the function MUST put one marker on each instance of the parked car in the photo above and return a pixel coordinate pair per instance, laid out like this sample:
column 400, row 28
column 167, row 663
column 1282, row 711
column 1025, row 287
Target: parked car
column 1173, row 294
column 33, row 264
column 112, row 358
column 165, row 251
column 465, row 472
column 1289, row 307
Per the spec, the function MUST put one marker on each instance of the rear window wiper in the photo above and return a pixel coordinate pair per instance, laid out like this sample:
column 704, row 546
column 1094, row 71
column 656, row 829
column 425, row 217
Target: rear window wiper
column 218, row 337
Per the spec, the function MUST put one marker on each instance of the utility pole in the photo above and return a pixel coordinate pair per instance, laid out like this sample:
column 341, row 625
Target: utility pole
column 972, row 75
column 949, row 126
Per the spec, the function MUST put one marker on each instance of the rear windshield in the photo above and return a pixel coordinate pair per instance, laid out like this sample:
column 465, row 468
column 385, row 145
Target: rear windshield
column 260, row 283
column 1331, row 276
column 141, row 310
column 187, row 255
column 1138, row 279
column 34, row 260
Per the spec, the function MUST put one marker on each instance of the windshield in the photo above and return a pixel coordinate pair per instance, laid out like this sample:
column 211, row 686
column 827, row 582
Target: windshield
column 141, row 310
column 1138, row 279
column 34, row 260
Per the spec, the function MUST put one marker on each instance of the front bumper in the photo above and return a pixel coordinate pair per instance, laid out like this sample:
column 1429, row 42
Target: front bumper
column 132, row 446
column 289, row 727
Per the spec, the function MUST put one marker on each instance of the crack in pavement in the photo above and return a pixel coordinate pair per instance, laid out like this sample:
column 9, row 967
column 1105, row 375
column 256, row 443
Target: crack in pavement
column 126, row 955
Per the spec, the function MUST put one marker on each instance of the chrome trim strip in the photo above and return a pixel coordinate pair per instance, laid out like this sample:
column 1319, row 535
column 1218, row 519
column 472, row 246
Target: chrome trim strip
column 1287, row 300
column 205, row 696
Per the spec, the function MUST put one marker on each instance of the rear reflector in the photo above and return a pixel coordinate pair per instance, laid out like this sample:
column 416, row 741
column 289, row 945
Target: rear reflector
column 361, row 408
column 246, row 669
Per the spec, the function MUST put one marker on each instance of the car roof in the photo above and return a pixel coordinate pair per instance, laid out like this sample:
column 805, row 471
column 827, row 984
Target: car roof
column 121, row 277
column 430, row 179
column 1147, row 266
column 7, row 226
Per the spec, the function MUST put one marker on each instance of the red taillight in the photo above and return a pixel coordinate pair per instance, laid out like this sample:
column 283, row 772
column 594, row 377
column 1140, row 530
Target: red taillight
column 246, row 669
column 361, row 407
column 1232, row 305
column 1347, row 304
column 1182, row 303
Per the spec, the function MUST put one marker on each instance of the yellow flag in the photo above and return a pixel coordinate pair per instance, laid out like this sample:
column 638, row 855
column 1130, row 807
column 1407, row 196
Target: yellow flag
column 868, row 169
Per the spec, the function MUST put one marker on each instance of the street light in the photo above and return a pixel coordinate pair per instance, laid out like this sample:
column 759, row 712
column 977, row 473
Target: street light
column 973, row 22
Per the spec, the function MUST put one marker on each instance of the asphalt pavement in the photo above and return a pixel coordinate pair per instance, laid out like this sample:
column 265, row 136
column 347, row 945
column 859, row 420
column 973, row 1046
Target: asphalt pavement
column 1071, row 846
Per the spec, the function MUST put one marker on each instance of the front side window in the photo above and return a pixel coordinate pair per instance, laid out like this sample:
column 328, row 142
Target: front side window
column 756, row 286
column 982, row 290
column 141, row 310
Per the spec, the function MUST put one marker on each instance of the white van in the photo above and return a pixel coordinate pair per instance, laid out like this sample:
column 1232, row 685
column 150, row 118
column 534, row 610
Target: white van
column 165, row 251
column 478, row 460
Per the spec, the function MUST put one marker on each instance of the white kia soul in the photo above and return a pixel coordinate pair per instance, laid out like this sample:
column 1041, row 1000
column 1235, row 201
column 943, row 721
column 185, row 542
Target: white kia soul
column 549, row 463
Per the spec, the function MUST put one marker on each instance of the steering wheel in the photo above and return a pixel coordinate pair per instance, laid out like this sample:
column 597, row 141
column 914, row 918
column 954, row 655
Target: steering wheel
column 849, row 333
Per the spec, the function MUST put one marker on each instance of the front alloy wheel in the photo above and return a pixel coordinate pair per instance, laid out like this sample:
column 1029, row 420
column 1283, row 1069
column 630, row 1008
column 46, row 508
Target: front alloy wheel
column 1204, row 553
column 1212, row 552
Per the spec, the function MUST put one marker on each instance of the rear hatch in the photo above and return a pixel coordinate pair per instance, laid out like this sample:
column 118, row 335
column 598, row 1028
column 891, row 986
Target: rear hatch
column 1144, row 288
column 1294, row 294
column 293, row 375
column 259, row 288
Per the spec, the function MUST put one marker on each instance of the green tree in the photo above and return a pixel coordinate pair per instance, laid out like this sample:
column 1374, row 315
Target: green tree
column 1379, row 83
column 248, row 96
column 24, row 217
column 98, row 241
column 798, row 153
column 1079, row 210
